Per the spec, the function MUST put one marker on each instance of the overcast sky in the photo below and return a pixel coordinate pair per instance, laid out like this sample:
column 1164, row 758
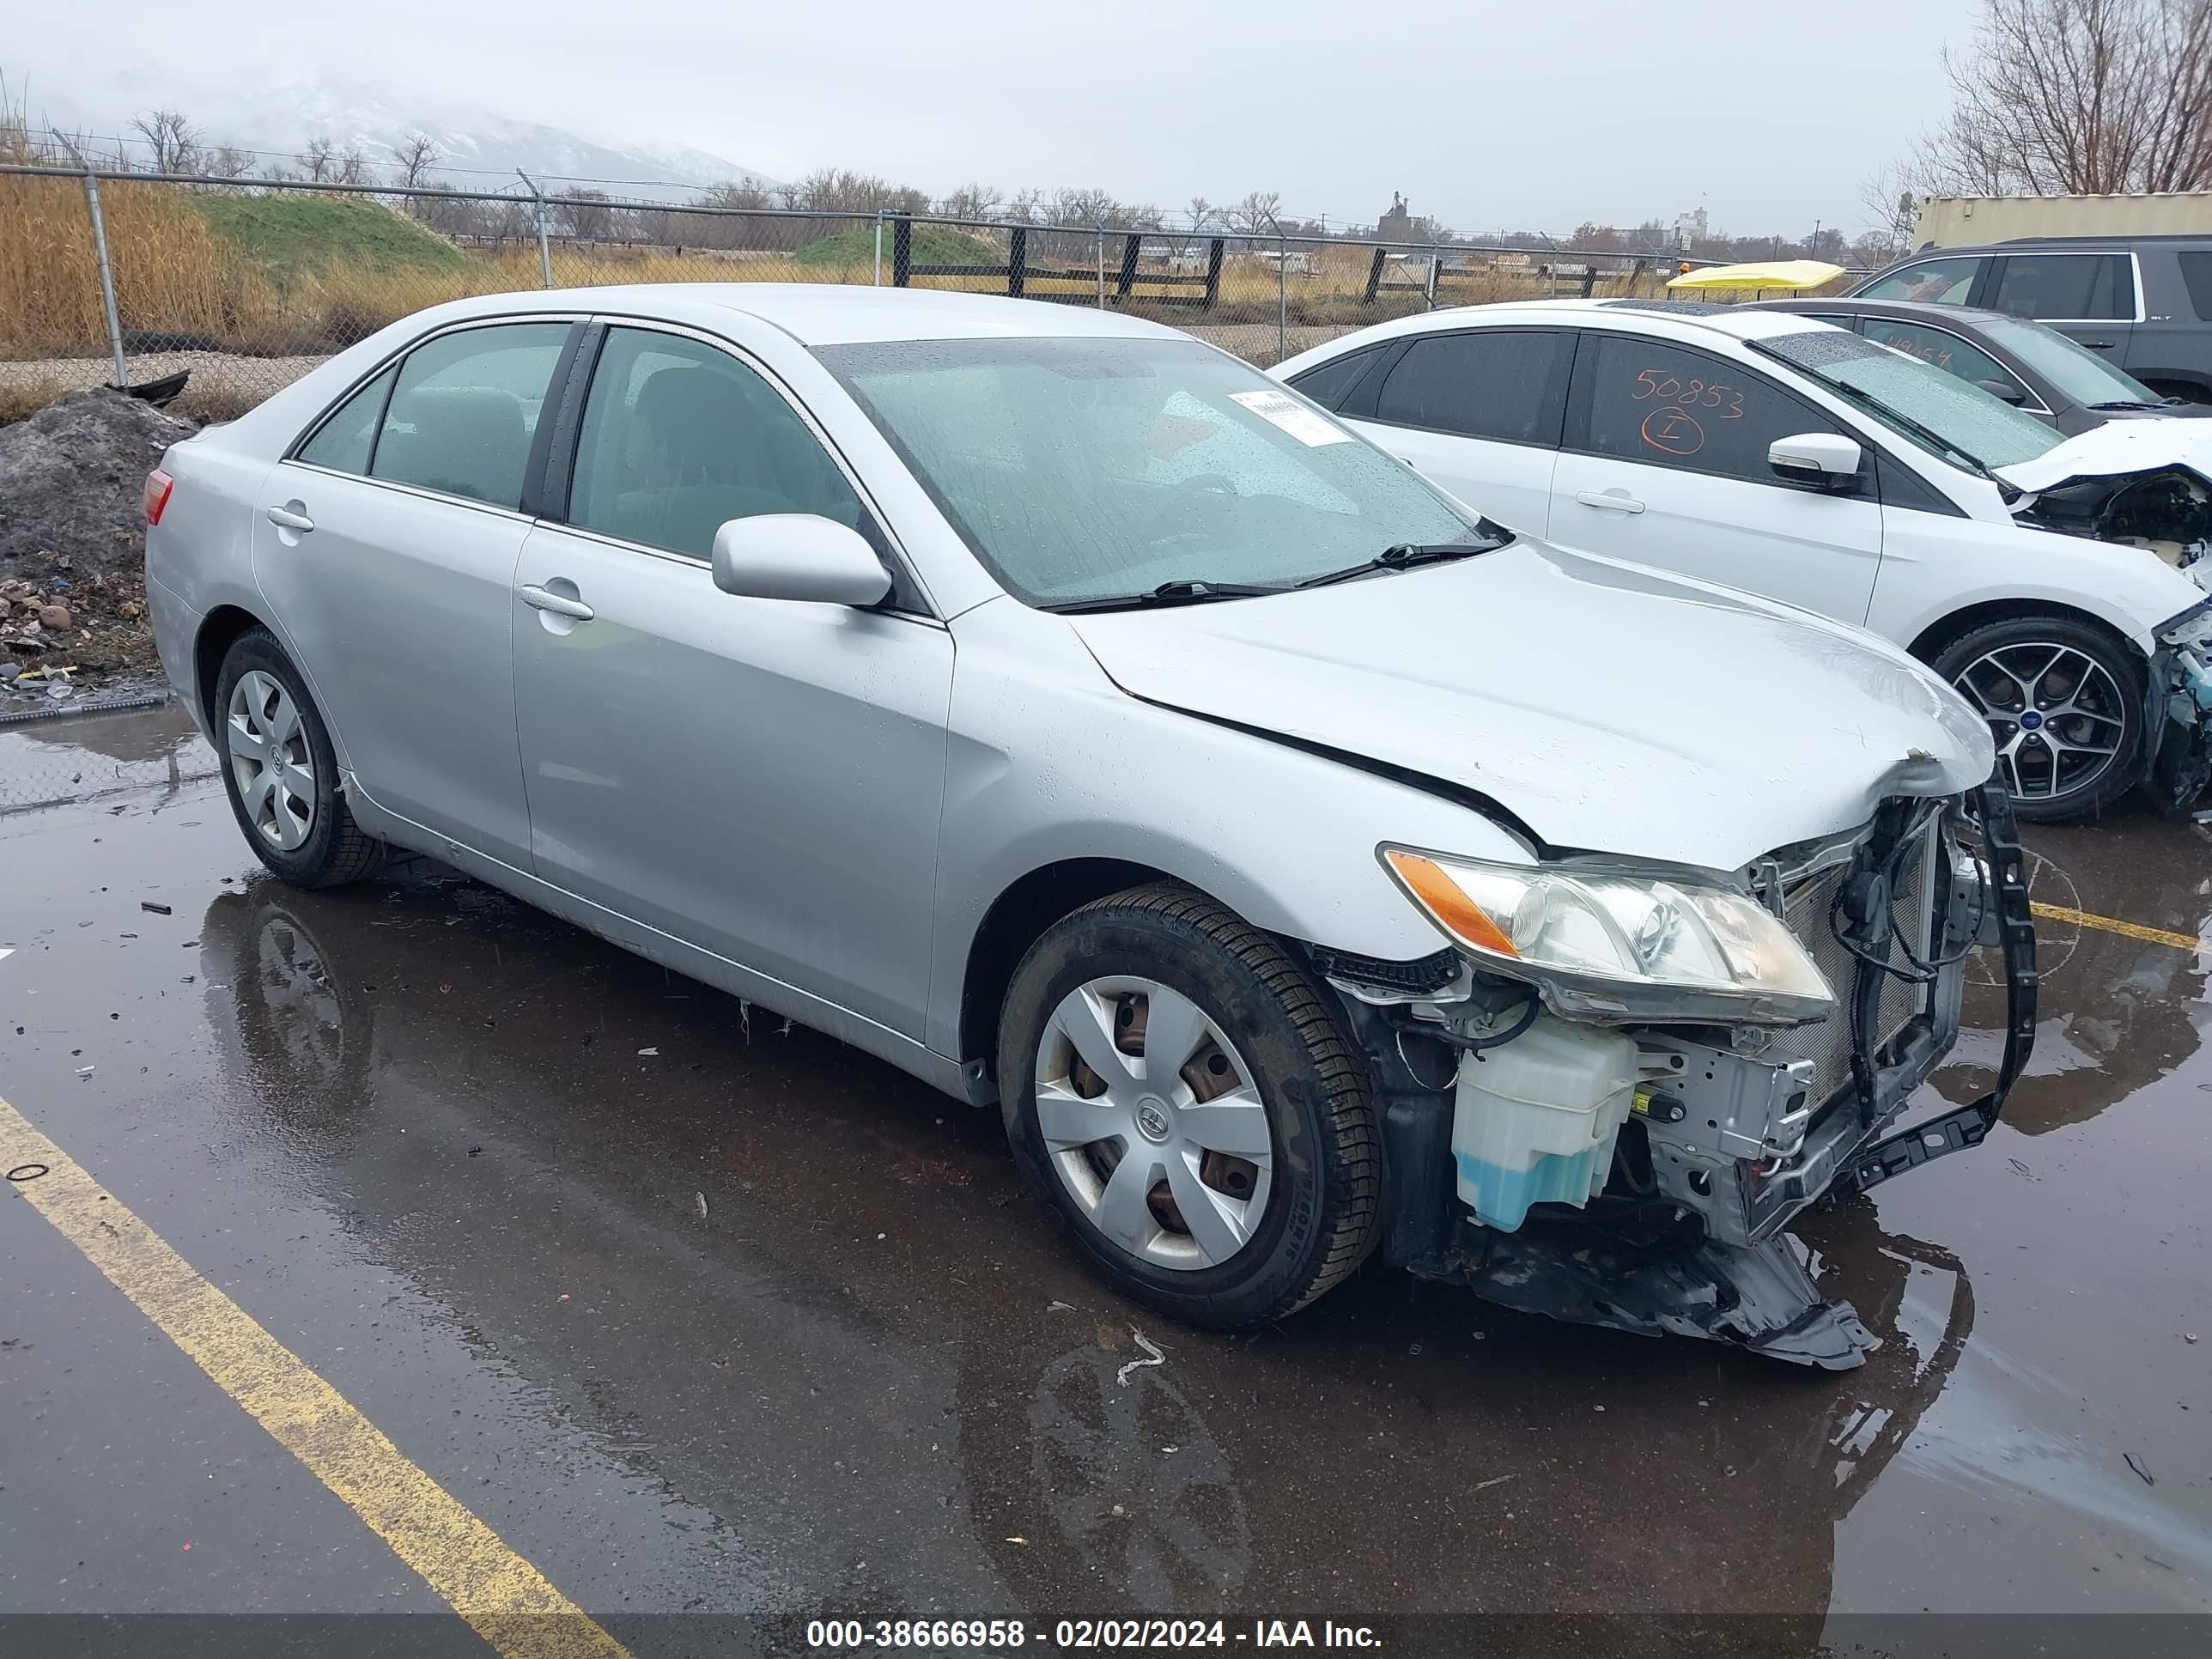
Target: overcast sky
column 1485, row 114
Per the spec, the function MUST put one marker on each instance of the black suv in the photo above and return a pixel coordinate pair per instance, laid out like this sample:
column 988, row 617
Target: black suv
column 2143, row 302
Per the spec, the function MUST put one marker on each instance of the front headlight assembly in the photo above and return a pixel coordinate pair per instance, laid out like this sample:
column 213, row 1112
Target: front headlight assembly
column 1607, row 945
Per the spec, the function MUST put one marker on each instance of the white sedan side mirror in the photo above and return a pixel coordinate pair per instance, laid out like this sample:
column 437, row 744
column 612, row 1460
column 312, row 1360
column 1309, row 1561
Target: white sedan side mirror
column 798, row 555
column 1825, row 460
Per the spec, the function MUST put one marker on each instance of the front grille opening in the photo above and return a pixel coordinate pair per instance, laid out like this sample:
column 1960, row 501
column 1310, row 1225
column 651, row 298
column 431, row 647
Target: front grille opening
column 1806, row 913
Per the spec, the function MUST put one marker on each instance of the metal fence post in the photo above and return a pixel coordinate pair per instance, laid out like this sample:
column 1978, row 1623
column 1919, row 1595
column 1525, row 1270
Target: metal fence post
column 1436, row 263
column 1100, row 233
column 879, row 247
column 544, row 246
column 106, row 271
column 1282, row 293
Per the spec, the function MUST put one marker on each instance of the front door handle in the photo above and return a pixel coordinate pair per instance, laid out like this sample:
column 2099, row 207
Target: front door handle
column 285, row 519
column 2100, row 345
column 1611, row 499
column 539, row 599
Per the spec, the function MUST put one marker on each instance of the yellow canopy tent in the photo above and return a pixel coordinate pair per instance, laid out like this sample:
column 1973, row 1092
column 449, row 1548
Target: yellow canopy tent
column 1785, row 275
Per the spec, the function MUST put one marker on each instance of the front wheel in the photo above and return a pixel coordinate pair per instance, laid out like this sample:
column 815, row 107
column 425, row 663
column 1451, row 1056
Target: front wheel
column 2064, row 701
column 281, row 772
column 1177, row 1089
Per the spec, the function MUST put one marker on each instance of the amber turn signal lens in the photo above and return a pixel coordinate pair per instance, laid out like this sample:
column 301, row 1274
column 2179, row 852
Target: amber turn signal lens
column 1440, row 896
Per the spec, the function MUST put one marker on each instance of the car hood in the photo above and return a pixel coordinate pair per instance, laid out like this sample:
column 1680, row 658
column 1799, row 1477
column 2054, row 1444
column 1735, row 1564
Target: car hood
column 1608, row 707
column 2119, row 449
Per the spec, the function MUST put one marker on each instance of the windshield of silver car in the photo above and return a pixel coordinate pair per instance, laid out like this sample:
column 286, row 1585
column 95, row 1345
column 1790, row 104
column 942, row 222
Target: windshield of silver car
column 1929, row 405
column 1082, row 471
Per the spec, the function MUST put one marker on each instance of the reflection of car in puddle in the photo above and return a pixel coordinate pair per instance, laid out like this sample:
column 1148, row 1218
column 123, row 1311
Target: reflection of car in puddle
column 2118, row 1013
column 1072, row 1479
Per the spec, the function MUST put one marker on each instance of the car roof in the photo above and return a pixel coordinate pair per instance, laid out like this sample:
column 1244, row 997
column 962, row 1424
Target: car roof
column 1970, row 316
column 1739, row 322
column 832, row 314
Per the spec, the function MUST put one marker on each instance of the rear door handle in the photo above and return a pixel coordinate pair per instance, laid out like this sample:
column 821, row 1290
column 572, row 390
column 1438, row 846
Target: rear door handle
column 1610, row 499
column 539, row 599
column 2098, row 345
column 285, row 519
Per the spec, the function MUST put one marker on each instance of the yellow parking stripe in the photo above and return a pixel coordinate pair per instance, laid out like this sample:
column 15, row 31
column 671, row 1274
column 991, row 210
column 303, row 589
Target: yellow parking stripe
column 509, row 1602
column 2113, row 925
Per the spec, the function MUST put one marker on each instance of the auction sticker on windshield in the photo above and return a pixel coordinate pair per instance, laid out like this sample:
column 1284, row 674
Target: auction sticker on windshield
column 1282, row 410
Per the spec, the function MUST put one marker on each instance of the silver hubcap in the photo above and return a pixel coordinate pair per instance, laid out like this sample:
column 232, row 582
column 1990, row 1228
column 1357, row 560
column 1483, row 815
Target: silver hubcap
column 2056, row 715
column 1153, row 1122
column 270, row 761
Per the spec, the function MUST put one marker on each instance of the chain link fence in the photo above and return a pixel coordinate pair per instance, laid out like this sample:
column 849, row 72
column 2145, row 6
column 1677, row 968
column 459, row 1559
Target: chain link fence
column 243, row 284
column 97, row 748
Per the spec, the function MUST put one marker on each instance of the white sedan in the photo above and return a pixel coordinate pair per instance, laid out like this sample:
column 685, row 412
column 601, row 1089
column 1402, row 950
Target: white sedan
column 2041, row 575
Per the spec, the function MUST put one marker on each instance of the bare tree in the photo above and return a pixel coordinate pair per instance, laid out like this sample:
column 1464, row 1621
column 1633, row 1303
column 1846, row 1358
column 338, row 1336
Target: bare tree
column 971, row 202
column 319, row 161
column 1891, row 197
column 415, row 159
column 586, row 215
column 2066, row 97
column 1255, row 215
column 351, row 166
column 173, row 143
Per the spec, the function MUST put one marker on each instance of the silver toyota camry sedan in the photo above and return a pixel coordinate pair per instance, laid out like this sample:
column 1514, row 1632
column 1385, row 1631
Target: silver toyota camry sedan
column 1308, row 868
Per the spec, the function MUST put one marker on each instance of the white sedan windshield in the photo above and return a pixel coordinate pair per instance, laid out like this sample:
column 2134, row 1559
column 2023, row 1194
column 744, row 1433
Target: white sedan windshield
column 1929, row 405
column 1089, row 469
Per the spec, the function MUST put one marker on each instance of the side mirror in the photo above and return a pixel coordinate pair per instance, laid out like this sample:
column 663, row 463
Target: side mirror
column 798, row 555
column 1825, row 461
column 2004, row 389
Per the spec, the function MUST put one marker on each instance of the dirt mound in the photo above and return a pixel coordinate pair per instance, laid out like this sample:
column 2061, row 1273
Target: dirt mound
column 72, row 537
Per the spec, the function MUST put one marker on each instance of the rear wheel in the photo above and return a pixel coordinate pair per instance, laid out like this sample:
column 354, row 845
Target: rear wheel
column 280, row 771
column 1177, row 1089
column 2064, row 701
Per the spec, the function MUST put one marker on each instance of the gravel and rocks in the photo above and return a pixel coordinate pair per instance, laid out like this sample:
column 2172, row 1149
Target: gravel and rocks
column 72, row 541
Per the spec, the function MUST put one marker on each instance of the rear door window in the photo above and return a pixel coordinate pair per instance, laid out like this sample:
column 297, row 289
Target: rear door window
column 1932, row 282
column 2067, row 286
column 1499, row 384
column 464, row 408
column 1948, row 352
column 1662, row 406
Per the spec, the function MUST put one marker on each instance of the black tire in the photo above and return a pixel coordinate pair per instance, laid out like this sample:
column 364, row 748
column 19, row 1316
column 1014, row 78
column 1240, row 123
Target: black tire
column 336, row 850
column 2041, row 794
column 1322, row 1212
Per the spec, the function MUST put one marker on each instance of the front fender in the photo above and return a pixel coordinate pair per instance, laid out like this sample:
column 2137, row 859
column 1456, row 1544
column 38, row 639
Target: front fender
column 1048, row 761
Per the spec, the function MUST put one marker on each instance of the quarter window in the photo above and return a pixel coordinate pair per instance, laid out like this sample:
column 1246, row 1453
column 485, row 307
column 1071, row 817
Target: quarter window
column 463, row 410
column 345, row 442
column 1932, row 282
column 1329, row 384
column 2196, row 272
column 680, row 437
column 1496, row 383
column 2068, row 286
column 1946, row 351
column 1667, row 407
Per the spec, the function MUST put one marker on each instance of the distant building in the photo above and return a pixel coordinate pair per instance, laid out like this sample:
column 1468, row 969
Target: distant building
column 1691, row 227
column 1397, row 225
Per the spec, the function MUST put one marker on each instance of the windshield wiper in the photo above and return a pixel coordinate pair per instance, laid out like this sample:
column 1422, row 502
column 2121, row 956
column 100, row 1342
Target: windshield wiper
column 1920, row 429
column 1403, row 556
column 2137, row 403
column 1183, row 591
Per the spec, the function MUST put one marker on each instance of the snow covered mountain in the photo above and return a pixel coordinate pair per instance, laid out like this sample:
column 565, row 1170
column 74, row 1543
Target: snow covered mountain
column 474, row 147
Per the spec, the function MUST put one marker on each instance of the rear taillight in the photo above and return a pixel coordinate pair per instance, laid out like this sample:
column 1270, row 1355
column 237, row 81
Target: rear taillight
column 158, row 486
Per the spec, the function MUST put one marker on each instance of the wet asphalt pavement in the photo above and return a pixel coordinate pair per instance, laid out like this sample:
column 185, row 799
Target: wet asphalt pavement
column 703, row 1314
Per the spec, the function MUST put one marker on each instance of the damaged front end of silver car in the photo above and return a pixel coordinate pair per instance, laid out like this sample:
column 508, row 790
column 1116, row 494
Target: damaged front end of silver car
column 2167, row 511
column 1558, row 1150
